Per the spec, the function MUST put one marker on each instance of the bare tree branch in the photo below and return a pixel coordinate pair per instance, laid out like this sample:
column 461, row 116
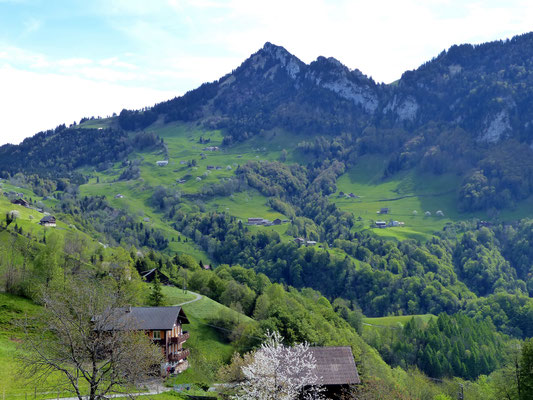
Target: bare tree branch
column 75, row 343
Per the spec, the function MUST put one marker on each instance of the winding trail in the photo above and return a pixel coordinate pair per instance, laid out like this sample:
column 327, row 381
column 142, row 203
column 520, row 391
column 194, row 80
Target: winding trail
column 380, row 326
column 198, row 297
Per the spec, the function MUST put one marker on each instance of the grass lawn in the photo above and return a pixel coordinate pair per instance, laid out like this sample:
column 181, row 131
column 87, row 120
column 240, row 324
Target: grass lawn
column 395, row 321
column 174, row 295
column 13, row 385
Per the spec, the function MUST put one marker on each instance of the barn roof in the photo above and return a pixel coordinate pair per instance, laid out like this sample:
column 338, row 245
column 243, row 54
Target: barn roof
column 335, row 366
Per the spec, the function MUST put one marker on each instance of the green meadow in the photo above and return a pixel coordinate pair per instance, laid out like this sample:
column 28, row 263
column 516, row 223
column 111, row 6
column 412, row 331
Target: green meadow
column 408, row 195
column 13, row 383
column 397, row 320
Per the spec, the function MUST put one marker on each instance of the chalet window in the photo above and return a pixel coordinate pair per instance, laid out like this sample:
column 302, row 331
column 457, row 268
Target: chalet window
column 157, row 334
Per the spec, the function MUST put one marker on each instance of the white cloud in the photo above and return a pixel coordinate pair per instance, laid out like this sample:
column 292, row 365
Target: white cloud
column 74, row 62
column 32, row 25
column 40, row 101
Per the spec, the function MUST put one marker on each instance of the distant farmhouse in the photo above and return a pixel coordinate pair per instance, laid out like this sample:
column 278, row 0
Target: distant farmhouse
column 119, row 196
column 162, row 163
column 391, row 223
column 21, row 202
column 48, row 220
column 301, row 241
column 149, row 276
column 384, row 210
column 211, row 148
column 258, row 221
column 265, row 222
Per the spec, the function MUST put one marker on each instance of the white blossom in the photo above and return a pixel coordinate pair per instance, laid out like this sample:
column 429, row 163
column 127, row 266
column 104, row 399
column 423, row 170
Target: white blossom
column 280, row 372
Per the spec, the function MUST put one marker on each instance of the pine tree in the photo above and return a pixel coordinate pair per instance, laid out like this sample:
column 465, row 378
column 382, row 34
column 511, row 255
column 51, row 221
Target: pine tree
column 156, row 297
column 526, row 371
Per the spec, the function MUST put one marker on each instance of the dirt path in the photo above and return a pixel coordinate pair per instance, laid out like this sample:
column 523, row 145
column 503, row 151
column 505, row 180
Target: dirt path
column 155, row 390
column 417, row 195
column 198, row 297
column 380, row 326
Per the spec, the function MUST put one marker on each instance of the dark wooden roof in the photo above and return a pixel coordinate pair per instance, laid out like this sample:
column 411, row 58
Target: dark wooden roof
column 48, row 218
column 149, row 276
column 20, row 202
column 146, row 318
column 335, row 366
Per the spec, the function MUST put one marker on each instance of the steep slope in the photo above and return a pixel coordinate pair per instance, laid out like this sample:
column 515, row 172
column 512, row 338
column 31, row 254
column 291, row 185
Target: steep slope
column 273, row 88
column 485, row 89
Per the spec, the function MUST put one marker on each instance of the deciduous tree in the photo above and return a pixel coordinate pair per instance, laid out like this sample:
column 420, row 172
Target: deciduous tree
column 280, row 372
column 77, row 346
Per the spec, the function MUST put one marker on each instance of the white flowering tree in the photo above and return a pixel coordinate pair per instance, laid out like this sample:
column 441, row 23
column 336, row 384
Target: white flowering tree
column 280, row 372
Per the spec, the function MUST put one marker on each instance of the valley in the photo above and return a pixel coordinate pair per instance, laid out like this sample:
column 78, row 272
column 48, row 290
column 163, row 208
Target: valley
column 390, row 219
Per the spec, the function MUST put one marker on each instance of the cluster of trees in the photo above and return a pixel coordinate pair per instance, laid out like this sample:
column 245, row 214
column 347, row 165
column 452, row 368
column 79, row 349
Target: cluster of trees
column 450, row 345
column 382, row 277
column 117, row 226
column 133, row 120
column 301, row 191
column 57, row 153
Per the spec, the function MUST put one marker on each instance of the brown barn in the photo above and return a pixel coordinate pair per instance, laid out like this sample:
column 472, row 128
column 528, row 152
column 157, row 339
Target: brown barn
column 21, row 202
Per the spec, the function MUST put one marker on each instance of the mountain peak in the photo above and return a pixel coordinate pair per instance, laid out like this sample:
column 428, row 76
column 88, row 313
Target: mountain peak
column 277, row 52
column 270, row 55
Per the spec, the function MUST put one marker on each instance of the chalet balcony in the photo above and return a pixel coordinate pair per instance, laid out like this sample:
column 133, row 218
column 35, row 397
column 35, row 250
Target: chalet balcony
column 180, row 355
column 180, row 338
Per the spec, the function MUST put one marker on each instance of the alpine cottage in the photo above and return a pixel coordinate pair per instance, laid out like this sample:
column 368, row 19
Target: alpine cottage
column 164, row 326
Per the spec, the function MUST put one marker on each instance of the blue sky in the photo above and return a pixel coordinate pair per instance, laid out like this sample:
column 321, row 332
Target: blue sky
column 62, row 60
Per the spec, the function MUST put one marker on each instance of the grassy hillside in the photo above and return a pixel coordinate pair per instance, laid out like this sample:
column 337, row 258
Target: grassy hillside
column 408, row 195
column 395, row 321
column 13, row 384
column 208, row 349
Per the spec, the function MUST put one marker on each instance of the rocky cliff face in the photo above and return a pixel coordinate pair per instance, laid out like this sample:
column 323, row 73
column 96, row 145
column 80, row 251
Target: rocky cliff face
column 487, row 90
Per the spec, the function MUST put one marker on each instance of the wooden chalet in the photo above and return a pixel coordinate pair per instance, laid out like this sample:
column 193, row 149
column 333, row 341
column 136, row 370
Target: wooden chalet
column 48, row 220
column 21, row 202
column 164, row 326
